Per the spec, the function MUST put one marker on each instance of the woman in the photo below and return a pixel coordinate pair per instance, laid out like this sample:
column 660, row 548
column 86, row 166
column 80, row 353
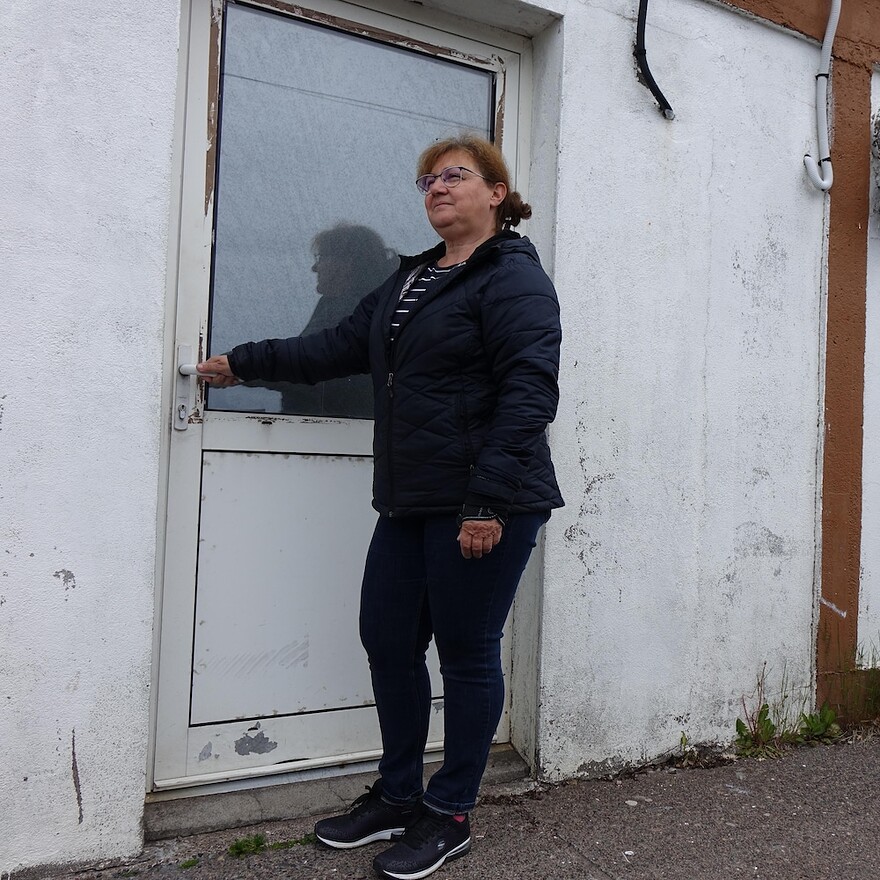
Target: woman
column 463, row 347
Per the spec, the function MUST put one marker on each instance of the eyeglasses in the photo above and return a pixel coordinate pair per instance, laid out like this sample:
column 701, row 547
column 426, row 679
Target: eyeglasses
column 451, row 176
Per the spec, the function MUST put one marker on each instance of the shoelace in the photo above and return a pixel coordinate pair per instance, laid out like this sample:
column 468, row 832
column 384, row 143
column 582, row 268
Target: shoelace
column 363, row 800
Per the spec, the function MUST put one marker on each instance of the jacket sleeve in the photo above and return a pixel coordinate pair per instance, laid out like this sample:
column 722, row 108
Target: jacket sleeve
column 521, row 337
column 342, row 350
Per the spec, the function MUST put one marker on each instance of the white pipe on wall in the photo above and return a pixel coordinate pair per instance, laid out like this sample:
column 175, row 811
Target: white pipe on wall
column 821, row 173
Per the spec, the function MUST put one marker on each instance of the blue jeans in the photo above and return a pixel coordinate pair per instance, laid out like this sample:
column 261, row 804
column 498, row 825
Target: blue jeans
column 417, row 584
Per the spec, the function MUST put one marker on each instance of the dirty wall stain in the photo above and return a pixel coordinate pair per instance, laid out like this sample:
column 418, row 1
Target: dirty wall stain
column 75, row 772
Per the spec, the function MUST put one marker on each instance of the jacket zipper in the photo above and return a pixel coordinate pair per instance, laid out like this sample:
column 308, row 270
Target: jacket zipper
column 390, row 386
column 465, row 430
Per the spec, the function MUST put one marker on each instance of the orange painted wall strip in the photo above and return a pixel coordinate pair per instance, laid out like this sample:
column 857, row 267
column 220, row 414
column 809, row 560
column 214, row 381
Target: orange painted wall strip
column 845, row 372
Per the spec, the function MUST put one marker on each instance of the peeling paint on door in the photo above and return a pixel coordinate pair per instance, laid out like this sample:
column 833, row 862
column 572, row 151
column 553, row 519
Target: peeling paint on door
column 259, row 744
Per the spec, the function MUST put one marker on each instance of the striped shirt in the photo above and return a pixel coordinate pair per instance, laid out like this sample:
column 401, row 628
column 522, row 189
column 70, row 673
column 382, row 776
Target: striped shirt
column 428, row 279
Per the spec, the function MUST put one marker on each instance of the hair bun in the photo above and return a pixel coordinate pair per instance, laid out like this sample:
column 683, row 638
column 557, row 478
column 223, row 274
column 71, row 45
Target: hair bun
column 514, row 209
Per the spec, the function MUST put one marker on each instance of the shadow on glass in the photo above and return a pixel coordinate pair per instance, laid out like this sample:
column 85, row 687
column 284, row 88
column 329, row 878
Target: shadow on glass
column 350, row 262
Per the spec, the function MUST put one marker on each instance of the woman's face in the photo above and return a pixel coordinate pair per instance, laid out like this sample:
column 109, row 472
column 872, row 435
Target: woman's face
column 331, row 270
column 467, row 209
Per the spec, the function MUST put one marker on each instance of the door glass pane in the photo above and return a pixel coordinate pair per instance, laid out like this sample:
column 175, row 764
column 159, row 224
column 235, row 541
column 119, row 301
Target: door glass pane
column 319, row 134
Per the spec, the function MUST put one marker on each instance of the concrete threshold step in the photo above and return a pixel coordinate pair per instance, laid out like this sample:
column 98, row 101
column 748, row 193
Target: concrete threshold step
column 214, row 810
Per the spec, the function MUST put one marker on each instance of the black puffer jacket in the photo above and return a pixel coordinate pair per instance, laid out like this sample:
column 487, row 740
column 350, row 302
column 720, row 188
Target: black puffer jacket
column 465, row 393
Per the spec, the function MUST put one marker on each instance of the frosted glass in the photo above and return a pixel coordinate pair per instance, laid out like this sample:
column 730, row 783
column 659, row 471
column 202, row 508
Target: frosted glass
column 320, row 128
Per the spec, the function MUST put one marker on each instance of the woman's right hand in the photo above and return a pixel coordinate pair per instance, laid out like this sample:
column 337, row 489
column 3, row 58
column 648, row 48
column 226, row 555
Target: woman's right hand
column 215, row 371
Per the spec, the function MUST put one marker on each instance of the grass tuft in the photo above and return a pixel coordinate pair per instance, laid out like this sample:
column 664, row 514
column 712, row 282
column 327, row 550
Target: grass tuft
column 247, row 846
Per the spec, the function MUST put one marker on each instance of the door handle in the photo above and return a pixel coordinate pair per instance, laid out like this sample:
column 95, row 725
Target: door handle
column 184, row 387
column 190, row 370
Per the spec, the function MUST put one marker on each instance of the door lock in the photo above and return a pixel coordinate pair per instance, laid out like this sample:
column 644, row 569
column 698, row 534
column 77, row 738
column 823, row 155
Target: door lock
column 184, row 387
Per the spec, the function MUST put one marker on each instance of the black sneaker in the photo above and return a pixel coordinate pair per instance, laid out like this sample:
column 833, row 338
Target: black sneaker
column 368, row 819
column 433, row 840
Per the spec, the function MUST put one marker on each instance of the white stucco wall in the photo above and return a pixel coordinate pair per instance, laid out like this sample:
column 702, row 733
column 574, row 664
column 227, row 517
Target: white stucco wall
column 869, row 592
column 88, row 92
column 689, row 262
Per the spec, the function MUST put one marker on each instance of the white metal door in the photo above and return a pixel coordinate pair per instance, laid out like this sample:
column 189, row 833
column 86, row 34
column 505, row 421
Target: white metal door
column 298, row 129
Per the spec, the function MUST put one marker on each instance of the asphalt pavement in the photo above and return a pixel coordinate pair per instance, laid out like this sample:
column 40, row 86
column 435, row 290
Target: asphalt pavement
column 813, row 814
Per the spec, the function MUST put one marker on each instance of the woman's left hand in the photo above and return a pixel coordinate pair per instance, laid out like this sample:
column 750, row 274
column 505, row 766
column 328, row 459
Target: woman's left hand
column 478, row 536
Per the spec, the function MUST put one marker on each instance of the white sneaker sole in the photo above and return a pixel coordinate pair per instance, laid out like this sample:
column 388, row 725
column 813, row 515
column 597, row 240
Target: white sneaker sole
column 385, row 834
column 462, row 849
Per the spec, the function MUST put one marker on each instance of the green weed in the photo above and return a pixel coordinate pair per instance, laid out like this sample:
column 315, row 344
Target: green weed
column 768, row 729
column 189, row 863
column 247, row 846
column 757, row 737
column 821, row 726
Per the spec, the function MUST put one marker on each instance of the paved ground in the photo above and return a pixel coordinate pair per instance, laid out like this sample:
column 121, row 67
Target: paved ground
column 814, row 813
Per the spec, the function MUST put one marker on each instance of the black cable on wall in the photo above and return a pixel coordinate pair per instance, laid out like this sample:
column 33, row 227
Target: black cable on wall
column 642, row 62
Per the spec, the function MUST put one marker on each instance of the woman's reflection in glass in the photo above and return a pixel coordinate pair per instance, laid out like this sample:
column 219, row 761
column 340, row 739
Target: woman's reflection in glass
column 350, row 261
